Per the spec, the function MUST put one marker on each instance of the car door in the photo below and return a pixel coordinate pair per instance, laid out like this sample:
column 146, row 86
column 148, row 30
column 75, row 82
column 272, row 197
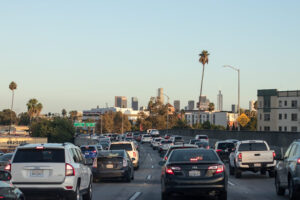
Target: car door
column 283, row 171
column 129, row 161
column 293, row 159
column 85, row 169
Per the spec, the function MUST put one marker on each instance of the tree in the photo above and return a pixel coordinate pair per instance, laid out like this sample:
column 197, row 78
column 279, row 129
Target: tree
column 34, row 108
column 7, row 117
column 203, row 60
column 206, row 125
column 211, row 107
column 24, row 119
column 64, row 112
column 73, row 115
column 12, row 86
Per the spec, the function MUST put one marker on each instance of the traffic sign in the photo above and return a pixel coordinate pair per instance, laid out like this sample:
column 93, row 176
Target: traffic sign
column 90, row 124
column 79, row 124
column 243, row 120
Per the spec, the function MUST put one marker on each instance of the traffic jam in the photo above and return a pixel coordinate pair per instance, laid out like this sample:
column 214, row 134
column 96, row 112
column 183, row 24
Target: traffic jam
column 189, row 167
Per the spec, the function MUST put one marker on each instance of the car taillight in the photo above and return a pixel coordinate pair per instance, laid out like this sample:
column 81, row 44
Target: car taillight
column 218, row 168
column 298, row 161
column 218, row 150
column 125, row 164
column 134, row 154
column 70, row 171
column 169, row 171
column 8, row 167
column 240, row 157
column 166, row 158
column 274, row 155
column 95, row 163
column 95, row 151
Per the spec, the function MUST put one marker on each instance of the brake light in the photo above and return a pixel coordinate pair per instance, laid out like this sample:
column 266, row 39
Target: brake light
column 8, row 167
column 94, row 151
column 134, row 154
column 125, row 164
column 70, row 171
column 240, row 157
column 95, row 163
column 274, row 154
column 166, row 158
column 169, row 171
column 218, row 150
column 298, row 161
column 218, row 168
column 39, row 147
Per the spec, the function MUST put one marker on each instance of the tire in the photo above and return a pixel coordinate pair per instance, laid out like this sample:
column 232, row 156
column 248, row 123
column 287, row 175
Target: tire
column 279, row 190
column 292, row 191
column 271, row 173
column 75, row 195
column 164, row 196
column 127, row 178
column 222, row 196
column 132, row 175
column 231, row 170
column 89, row 194
column 263, row 172
column 237, row 173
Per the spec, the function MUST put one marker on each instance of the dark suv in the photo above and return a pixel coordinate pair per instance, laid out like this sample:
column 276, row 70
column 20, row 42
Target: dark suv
column 287, row 172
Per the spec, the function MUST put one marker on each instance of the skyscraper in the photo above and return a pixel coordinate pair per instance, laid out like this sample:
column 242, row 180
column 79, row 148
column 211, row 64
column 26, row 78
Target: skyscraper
column 134, row 103
column 220, row 101
column 234, row 108
column 160, row 95
column 191, row 105
column 177, row 105
column 120, row 101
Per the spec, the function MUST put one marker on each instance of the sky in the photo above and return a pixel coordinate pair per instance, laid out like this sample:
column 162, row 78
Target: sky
column 79, row 54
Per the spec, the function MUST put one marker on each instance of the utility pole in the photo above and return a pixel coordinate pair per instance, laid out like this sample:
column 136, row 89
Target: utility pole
column 167, row 112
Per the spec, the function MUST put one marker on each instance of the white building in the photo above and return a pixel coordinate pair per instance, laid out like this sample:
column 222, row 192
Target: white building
column 251, row 106
column 278, row 110
column 94, row 114
column 220, row 101
column 214, row 117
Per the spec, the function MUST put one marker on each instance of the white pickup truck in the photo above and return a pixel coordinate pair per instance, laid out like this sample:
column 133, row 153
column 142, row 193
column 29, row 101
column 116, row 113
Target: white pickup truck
column 252, row 155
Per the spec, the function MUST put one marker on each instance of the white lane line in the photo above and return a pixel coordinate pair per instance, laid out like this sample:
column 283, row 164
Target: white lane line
column 135, row 196
column 152, row 167
column 149, row 177
column 232, row 184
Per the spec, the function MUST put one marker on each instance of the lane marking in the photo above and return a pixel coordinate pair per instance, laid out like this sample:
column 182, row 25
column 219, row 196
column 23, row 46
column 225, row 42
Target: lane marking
column 232, row 184
column 148, row 177
column 152, row 166
column 135, row 196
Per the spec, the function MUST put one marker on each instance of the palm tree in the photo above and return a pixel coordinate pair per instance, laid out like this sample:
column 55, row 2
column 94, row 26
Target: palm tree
column 211, row 107
column 64, row 112
column 34, row 108
column 12, row 86
column 203, row 60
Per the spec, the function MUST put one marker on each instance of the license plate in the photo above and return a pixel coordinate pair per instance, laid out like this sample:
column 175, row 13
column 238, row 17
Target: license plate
column 257, row 165
column 36, row 173
column 194, row 173
column 109, row 166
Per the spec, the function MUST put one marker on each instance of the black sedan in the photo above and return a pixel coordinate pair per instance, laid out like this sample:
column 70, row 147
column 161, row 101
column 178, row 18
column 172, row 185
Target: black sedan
column 113, row 164
column 194, row 172
column 7, row 190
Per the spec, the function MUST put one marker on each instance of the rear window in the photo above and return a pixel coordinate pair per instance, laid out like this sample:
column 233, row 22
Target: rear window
column 202, row 144
column 126, row 147
column 253, row 147
column 226, row 145
column 39, row 156
column 111, row 154
column 88, row 148
column 202, row 137
column 178, row 138
column 5, row 157
column 166, row 142
column 146, row 135
column 172, row 149
column 157, row 140
column 193, row 155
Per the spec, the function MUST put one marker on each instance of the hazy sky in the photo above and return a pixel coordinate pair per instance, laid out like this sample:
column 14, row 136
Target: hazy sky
column 80, row 54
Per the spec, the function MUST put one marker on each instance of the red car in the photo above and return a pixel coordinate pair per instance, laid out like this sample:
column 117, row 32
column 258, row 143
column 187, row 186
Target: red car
column 167, row 136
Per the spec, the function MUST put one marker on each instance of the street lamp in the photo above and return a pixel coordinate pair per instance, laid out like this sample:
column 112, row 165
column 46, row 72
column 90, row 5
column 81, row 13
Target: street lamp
column 167, row 112
column 238, row 71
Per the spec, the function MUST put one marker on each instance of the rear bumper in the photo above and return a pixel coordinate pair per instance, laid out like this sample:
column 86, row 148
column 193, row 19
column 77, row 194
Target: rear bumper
column 47, row 192
column 108, row 174
column 252, row 167
column 297, row 183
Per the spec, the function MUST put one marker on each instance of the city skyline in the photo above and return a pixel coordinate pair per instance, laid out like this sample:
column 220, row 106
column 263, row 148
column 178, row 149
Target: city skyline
column 71, row 58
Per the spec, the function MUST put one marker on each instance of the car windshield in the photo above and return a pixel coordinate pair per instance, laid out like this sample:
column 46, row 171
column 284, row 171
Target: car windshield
column 166, row 142
column 253, row 147
column 193, row 155
column 126, row 147
column 87, row 148
column 39, row 155
column 225, row 145
column 146, row 135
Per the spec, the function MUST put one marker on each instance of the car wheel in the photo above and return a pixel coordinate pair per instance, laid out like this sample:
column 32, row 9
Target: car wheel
column 89, row 194
column 279, row 190
column 222, row 196
column 127, row 178
column 132, row 175
column 231, row 170
column 75, row 195
column 292, row 191
column 237, row 173
column 96, row 180
column 164, row 196
column 271, row 173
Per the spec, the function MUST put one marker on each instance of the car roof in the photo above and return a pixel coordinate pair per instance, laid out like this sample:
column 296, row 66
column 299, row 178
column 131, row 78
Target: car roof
column 183, row 145
column 122, row 142
column 46, row 145
column 251, row 141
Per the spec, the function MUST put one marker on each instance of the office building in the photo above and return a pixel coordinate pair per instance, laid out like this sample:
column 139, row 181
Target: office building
column 177, row 105
column 160, row 95
column 134, row 103
column 234, row 108
column 278, row 110
column 220, row 101
column 191, row 105
column 121, row 102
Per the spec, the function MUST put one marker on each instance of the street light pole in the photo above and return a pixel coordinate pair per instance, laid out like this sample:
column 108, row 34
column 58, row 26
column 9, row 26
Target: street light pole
column 167, row 112
column 239, row 91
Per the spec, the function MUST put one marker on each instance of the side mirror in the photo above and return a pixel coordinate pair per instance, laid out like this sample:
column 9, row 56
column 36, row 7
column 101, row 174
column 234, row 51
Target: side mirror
column 162, row 163
column 133, row 159
column 5, row 176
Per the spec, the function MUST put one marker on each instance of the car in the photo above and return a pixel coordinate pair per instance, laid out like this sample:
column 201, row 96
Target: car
column 5, row 160
column 155, row 143
column 154, row 133
column 202, row 138
column 131, row 150
column 193, row 141
column 136, row 145
column 113, row 164
column 254, row 156
column 202, row 144
column 146, row 139
column 176, row 139
column 193, row 172
column 287, row 172
column 105, row 143
column 99, row 147
column 181, row 146
column 224, row 149
column 167, row 136
column 137, row 136
column 7, row 190
column 90, row 152
column 164, row 146
column 51, row 169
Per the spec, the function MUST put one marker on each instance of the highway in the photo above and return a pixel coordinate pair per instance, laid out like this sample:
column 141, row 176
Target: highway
column 146, row 185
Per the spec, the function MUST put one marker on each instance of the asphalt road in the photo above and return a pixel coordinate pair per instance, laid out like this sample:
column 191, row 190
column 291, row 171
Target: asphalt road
column 146, row 185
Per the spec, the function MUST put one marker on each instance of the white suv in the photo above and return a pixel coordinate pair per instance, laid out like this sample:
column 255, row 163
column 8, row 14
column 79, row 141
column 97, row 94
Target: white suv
column 51, row 169
column 146, row 138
